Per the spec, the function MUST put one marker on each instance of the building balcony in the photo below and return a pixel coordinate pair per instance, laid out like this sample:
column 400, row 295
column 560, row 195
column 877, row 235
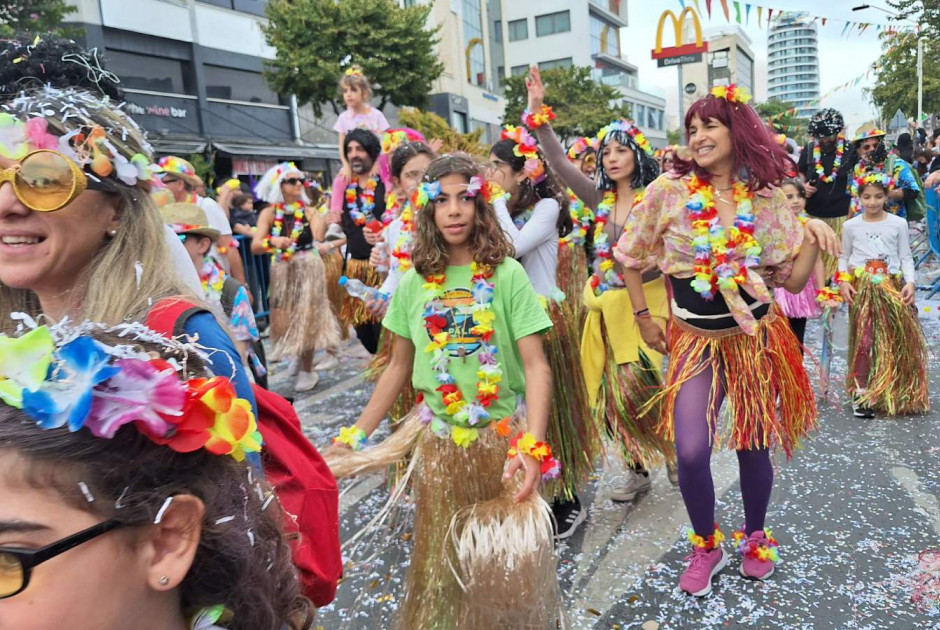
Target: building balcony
column 606, row 59
column 610, row 11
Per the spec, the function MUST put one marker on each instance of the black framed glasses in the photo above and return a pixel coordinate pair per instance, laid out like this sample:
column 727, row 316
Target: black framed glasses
column 16, row 565
column 293, row 181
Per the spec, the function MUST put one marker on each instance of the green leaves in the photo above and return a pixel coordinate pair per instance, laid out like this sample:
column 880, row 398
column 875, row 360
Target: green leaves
column 19, row 17
column 789, row 124
column 582, row 106
column 896, row 82
column 317, row 39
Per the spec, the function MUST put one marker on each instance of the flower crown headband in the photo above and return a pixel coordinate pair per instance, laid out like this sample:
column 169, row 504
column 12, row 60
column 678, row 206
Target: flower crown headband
column 354, row 70
column 731, row 93
column 62, row 376
column 580, row 146
column 631, row 130
column 881, row 179
column 527, row 147
column 394, row 138
column 24, row 127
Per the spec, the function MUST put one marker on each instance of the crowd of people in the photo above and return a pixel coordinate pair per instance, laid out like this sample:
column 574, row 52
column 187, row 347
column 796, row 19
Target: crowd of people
column 527, row 310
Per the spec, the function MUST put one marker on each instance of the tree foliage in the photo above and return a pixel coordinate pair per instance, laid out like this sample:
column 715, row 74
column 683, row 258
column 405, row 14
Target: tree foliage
column 18, row 17
column 317, row 39
column 924, row 12
column 675, row 136
column 896, row 83
column 790, row 124
column 433, row 126
column 582, row 105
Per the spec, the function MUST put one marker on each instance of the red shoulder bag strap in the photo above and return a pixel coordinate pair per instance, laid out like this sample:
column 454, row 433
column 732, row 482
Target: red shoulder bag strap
column 169, row 316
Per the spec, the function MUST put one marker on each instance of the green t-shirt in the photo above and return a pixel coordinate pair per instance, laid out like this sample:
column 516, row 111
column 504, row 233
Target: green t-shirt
column 518, row 314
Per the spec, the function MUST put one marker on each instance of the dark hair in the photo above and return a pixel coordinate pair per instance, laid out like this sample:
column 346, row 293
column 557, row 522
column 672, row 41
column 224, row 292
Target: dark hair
column 797, row 183
column 238, row 199
column 405, row 153
column 935, row 133
column 488, row 241
column 367, row 139
column 756, row 153
column 645, row 166
column 243, row 562
column 529, row 193
column 53, row 61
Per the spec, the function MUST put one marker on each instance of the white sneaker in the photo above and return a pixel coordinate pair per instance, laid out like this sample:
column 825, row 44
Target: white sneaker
column 293, row 368
column 306, row 381
column 634, row 484
column 328, row 362
column 672, row 471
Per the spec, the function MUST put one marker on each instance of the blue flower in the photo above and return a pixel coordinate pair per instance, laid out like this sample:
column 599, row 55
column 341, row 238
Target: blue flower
column 66, row 397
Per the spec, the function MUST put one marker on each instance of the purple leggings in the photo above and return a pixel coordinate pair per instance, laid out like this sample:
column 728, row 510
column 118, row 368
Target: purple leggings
column 694, row 450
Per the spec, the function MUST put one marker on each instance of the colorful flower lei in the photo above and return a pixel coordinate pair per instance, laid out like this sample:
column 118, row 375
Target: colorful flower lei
column 831, row 296
column 527, row 147
column 863, row 176
column 536, row 120
column 581, row 145
column 462, row 417
column 393, row 205
column 401, row 253
column 766, row 552
column 817, row 160
column 61, row 376
column 631, row 130
column 711, row 542
column 277, row 228
column 526, row 444
column 715, row 266
column 212, row 277
column 353, row 437
column 581, row 219
column 394, row 138
column 493, row 191
column 605, row 274
column 366, row 199
column 731, row 93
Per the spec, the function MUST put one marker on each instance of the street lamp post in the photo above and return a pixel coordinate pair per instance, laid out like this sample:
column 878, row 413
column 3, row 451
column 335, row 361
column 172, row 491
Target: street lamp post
column 920, row 57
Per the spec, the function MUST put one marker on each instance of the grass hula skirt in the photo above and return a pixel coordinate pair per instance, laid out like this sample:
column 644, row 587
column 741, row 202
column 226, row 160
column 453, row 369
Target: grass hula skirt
column 301, row 317
column 408, row 398
column 571, row 275
column 333, row 262
column 353, row 312
column 571, row 431
column 885, row 334
column 768, row 392
column 480, row 560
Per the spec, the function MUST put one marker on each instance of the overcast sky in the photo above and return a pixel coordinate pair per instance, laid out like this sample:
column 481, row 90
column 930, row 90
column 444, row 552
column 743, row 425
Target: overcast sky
column 840, row 58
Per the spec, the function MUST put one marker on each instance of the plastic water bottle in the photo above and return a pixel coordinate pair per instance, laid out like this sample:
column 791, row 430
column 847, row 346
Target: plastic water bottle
column 384, row 257
column 357, row 289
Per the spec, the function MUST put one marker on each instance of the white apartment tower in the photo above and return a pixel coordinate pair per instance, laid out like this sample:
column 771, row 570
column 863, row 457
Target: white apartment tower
column 793, row 62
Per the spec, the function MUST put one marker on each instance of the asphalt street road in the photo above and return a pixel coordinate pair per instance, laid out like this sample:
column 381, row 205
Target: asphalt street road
column 856, row 513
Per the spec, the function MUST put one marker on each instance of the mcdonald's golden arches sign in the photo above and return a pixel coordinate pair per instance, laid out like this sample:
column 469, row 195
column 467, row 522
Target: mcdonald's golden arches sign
column 681, row 52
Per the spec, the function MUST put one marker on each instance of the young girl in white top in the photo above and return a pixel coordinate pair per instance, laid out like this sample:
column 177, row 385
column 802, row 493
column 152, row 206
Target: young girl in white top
column 887, row 350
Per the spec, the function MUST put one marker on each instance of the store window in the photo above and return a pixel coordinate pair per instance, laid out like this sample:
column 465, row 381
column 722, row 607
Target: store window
column 155, row 74
column 238, row 85
column 552, row 23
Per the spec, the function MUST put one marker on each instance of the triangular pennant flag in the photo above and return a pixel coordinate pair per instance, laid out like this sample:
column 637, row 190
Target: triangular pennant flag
column 708, row 7
column 747, row 14
column 698, row 9
column 824, row 21
column 760, row 12
column 737, row 11
column 845, row 28
column 724, row 9
column 770, row 12
column 682, row 2
column 862, row 29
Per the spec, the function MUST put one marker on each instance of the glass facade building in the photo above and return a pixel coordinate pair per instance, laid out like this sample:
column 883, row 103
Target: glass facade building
column 793, row 62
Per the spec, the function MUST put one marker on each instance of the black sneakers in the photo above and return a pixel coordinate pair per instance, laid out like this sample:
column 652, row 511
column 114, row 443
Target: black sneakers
column 568, row 515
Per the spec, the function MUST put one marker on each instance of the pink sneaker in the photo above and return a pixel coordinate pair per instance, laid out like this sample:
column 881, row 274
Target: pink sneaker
column 704, row 564
column 758, row 553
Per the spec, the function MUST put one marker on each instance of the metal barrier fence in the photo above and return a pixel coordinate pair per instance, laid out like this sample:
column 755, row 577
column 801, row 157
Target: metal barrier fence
column 258, row 275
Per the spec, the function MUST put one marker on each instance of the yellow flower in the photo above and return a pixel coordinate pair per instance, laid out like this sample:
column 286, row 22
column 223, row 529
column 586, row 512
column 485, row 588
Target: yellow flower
column 485, row 317
column 455, row 407
column 463, row 436
column 607, row 265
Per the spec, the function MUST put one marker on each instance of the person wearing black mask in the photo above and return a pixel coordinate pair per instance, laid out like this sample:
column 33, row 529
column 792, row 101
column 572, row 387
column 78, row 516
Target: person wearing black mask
column 824, row 169
column 362, row 204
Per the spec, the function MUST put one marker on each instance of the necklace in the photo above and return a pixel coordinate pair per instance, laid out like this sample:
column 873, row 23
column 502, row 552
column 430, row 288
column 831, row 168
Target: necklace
column 581, row 218
column 523, row 217
column 401, row 254
column 393, row 205
column 213, row 279
column 817, row 159
column 365, row 198
column 297, row 227
column 464, row 417
column 715, row 265
column 605, row 275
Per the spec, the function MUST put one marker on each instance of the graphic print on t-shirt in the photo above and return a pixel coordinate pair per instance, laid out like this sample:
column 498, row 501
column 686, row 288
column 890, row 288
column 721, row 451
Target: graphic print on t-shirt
column 459, row 316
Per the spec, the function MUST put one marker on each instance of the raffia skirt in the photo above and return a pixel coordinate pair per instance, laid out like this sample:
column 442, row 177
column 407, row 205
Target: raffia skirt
column 885, row 334
column 301, row 317
column 333, row 262
column 480, row 560
column 353, row 311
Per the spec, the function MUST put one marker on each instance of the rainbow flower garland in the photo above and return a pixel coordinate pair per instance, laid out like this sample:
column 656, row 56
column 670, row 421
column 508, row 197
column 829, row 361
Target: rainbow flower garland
column 353, row 437
column 526, row 444
column 605, row 276
column 581, row 145
column 296, row 230
column 831, row 296
column 536, row 120
column 731, row 93
column 393, row 205
column 861, row 177
column 711, row 542
column 817, row 160
column 631, row 130
column 462, row 417
column 527, row 147
column 715, row 266
column 212, row 277
column 366, row 199
column 766, row 552
column 581, row 219
column 401, row 253
column 61, row 376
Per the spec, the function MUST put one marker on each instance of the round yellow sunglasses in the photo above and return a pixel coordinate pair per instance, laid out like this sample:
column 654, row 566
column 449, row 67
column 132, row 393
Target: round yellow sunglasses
column 46, row 180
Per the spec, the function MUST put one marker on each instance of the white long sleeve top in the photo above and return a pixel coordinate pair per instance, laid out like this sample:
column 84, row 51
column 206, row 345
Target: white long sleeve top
column 536, row 243
column 886, row 240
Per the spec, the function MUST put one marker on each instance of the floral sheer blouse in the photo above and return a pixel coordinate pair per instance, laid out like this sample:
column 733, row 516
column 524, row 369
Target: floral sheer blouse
column 660, row 227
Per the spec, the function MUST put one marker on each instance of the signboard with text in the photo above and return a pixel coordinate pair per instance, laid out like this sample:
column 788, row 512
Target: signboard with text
column 681, row 52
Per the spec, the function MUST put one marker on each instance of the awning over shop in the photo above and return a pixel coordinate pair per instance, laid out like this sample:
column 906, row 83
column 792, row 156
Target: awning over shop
column 285, row 151
column 181, row 148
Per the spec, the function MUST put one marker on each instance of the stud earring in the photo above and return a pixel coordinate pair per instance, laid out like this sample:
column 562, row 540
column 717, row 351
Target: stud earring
column 112, row 233
column 163, row 581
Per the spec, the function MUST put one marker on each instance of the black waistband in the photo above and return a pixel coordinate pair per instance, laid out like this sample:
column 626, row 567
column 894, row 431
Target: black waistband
column 718, row 314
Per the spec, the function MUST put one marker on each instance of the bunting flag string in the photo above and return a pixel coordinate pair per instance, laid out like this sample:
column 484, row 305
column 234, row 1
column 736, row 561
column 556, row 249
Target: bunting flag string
column 848, row 26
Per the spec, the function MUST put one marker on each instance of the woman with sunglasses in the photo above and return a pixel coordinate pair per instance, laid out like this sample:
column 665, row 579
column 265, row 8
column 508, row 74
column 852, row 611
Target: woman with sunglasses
column 123, row 517
column 302, row 318
column 80, row 236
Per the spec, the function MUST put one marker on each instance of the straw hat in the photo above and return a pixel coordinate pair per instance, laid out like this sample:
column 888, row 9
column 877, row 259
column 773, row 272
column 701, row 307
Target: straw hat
column 187, row 218
column 177, row 167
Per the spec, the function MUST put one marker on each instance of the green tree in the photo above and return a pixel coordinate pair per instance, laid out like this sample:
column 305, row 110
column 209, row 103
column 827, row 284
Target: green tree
column 674, row 136
column 790, row 124
column 433, row 126
column 924, row 12
column 896, row 82
column 317, row 39
column 33, row 16
column 582, row 106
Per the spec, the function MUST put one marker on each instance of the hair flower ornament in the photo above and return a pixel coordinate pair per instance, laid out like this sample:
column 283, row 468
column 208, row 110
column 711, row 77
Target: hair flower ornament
column 732, row 93
column 354, row 70
column 631, row 130
column 475, row 186
column 394, row 138
column 527, row 147
column 63, row 376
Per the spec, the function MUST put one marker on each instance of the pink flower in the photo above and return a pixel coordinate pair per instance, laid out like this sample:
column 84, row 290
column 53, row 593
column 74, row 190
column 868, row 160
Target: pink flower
column 38, row 138
column 475, row 186
column 140, row 392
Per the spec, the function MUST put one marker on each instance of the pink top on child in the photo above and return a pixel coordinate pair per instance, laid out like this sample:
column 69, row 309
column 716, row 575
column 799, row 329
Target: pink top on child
column 373, row 120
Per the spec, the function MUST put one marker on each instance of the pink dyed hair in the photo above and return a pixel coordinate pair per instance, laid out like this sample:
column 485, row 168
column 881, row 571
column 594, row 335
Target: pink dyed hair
column 755, row 150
